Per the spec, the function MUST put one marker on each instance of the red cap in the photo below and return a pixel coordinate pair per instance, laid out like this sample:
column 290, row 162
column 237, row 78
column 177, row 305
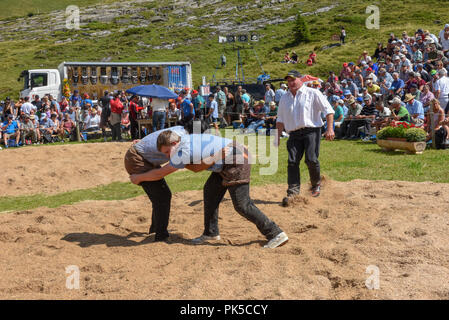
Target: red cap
column 179, row 99
column 86, row 96
column 345, row 64
column 369, row 69
column 194, row 92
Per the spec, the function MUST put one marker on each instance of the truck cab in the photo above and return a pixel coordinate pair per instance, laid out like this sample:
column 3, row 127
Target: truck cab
column 41, row 82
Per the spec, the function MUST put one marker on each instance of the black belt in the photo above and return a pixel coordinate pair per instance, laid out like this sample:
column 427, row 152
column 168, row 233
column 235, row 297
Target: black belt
column 305, row 130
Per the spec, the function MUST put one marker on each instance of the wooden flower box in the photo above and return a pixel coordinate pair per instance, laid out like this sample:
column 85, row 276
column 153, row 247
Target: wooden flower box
column 409, row 147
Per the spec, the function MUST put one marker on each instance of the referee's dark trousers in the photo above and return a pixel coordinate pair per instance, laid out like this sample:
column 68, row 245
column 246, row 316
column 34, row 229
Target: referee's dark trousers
column 306, row 140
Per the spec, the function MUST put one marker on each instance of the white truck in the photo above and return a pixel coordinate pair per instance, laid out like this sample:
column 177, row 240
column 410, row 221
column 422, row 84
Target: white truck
column 94, row 78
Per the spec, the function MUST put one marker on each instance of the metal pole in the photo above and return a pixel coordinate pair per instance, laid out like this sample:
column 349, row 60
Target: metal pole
column 432, row 124
column 77, row 118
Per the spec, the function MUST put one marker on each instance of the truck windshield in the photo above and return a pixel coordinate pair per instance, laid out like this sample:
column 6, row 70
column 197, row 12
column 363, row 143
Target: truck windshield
column 39, row 80
column 26, row 81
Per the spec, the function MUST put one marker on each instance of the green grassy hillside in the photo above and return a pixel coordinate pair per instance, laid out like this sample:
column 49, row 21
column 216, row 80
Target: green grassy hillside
column 201, row 48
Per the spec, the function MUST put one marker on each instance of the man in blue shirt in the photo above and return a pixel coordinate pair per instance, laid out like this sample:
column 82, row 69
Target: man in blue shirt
column 198, row 103
column 10, row 129
column 187, row 108
column 415, row 109
column 142, row 157
column 229, row 173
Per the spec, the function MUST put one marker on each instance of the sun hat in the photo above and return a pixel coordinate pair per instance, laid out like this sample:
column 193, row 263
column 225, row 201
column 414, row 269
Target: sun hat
column 409, row 97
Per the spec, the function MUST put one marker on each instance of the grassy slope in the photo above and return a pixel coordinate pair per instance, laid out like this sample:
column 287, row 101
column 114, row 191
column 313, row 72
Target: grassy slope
column 19, row 55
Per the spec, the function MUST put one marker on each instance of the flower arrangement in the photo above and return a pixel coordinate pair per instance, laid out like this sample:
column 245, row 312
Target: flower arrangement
column 66, row 89
column 402, row 130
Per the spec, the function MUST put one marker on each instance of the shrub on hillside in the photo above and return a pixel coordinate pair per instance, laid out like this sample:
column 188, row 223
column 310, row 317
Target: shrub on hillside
column 302, row 32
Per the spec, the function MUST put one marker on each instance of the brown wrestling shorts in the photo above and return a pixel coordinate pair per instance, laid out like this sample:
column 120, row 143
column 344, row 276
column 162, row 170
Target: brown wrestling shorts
column 135, row 163
column 237, row 167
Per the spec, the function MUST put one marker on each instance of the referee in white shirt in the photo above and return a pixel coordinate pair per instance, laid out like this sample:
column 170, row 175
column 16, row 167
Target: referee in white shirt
column 299, row 113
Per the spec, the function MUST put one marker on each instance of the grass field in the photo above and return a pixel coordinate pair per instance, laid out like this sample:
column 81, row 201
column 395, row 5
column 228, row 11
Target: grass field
column 364, row 161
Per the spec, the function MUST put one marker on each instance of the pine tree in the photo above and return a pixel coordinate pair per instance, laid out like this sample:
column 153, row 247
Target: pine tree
column 302, row 32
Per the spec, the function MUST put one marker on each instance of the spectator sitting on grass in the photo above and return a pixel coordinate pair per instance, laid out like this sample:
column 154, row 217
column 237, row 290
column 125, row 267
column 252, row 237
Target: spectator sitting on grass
column 257, row 115
column 29, row 131
column 382, row 119
column 10, row 130
column 415, row 109
column 68, row 126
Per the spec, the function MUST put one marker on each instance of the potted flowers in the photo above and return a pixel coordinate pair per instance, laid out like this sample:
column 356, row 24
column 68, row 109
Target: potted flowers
column 402, row 136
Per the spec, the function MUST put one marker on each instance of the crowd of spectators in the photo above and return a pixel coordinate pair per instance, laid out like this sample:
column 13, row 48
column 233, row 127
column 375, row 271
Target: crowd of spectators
column 405, row 80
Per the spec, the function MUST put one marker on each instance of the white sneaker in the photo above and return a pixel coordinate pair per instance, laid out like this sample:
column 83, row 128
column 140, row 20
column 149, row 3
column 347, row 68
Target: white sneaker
column 277, row 241
column 205, row 238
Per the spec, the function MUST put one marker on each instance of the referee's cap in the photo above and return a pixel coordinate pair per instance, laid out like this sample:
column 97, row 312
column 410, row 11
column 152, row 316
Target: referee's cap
column 293, row 74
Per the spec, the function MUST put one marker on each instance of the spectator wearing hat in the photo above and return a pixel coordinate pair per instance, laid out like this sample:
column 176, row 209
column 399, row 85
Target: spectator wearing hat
column 75, row 99
column 414, row 90
column 383, row 116
column 398, row 111
column 345, row 71
column 271, row 117
column 29, row 131
column 10, row 129
column 424, row 74
column 116, row 117
column 378, row 51
column 86, row 102
column 299, row 113
column 364, row 119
